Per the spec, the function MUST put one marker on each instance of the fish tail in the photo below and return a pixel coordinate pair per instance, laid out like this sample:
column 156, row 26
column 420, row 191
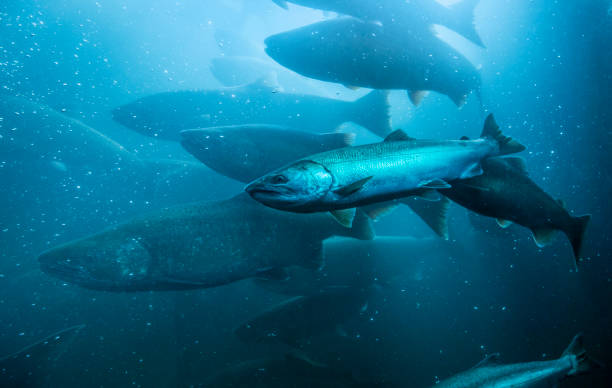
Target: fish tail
column 463, row 15
column 507, row 145
column 372, row 112
column 575, row 233
column 583, row 363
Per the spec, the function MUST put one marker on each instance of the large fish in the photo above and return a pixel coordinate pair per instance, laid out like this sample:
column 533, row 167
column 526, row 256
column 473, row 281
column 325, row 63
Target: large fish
column 411, row 14
column 505, row 191
column 164, row 115
column 246, row 152
column 488, row 373
column 400, row 166
column 196, row 246
column 360, row 53
column 302, row 317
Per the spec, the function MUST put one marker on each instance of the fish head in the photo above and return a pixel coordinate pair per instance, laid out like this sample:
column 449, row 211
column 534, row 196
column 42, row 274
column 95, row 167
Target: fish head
column 102, row 262
column 295, row 187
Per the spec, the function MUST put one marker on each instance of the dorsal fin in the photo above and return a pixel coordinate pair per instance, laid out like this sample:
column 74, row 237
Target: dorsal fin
column 490, row 359
column 398, row 135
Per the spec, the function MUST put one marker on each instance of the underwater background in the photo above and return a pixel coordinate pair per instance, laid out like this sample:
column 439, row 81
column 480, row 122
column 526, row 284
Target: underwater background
column 546, row 75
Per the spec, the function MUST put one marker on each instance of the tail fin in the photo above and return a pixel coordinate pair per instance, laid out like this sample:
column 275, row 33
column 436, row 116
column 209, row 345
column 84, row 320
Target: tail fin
column 583, row 362
column 372, row 112
column 463, row 14
column 507, row 145
column 575, row 233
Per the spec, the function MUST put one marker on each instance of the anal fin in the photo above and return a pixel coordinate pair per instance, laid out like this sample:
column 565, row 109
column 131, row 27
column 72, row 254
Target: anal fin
column 432, row 213
column 543, row 236
column 344, row 216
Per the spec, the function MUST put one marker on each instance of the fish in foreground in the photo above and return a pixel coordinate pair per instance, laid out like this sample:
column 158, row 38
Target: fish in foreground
column 488, row 373
column 400, row 166
column 409, row 15
column 194, row 246
column 164, row 115
column 246, row 152
column 29, row 366
column 358, row 53
column 505, row 191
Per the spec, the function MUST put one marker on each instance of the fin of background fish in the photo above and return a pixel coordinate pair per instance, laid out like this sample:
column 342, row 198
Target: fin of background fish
column 344, row 216
column 576, row 233
column 464, row 22
column 503, row 223
column 347, row 190
column 434, row 214
column 372, row 112
column 472, row 171
column 281, row 3
column 543, row 236
column 375, row 211
column 338, row 139
column 585, row 362
column 276, row 273
column 351, row 87
column 398, row 135
column 507, row 145
column 416, row 96
column 489, row 359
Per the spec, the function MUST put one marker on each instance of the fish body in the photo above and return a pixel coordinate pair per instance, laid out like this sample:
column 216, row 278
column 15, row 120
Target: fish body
column 414, row 14
column 359, row 53
column 396, row 168
column 489, row 374
column 164, row 115
column 506, row 192
column 195, row 246
column 246, row 152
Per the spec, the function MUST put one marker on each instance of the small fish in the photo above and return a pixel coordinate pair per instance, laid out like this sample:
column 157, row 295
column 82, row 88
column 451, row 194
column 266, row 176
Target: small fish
column 488, row 373
column 340, row 180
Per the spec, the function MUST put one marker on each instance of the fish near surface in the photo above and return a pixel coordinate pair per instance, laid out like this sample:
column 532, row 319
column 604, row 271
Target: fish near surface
column 246, row 152
column 196, row 246
column 360, row 53
column 505, row 191
column 420, row 14
column 489, row 374
column 164, row 115
column 398, row 167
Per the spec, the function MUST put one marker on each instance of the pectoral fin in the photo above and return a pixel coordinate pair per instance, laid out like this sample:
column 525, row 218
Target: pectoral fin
column 503, row 223
column 543, row 236
column 436, row 184
column 347, row 190
column 344, row 217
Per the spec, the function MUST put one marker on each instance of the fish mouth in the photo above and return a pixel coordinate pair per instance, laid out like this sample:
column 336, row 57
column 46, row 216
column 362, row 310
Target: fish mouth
column 270, row 195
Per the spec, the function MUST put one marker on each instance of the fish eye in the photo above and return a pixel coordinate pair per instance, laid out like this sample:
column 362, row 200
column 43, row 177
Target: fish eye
column 278, row 179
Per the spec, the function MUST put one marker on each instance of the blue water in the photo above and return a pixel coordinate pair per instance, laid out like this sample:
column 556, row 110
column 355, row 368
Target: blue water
column 546, row 75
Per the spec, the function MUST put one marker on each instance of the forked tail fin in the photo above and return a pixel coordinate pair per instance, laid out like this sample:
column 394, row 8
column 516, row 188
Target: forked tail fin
column 507, row 145
column 583, row 363
column 463, row 15
column 372, row 112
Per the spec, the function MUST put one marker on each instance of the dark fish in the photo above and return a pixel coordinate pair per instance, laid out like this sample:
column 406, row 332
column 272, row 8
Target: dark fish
column 420, row 14
column 164, row 115
column 302, row 317
column 489, row 373
column 28, row 366
column 505, row 191
column 196, row 246
column 246, row 152
column 367, row 54
column 292, row 371
column 340, row 180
